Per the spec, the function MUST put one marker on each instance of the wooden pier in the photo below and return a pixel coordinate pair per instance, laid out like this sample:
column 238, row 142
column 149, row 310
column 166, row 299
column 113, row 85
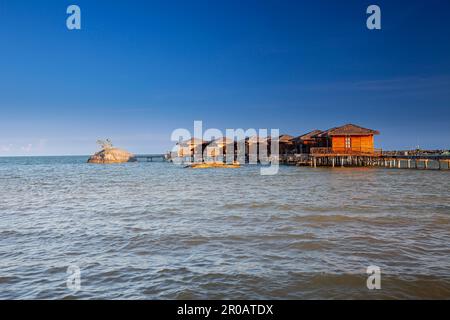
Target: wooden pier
column 423, row 162
column 349, row 145
column 151, row 157
column 415, row 162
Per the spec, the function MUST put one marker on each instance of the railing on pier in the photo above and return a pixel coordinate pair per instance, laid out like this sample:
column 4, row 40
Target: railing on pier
column 438, row 162
column 361, row 151
column 151, row 157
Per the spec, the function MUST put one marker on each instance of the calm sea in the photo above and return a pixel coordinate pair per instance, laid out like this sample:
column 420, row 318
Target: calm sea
column 155, row 230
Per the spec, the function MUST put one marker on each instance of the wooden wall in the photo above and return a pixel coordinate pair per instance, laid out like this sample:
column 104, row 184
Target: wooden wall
column 338, row 143
column 358, row 143
column 366, row 143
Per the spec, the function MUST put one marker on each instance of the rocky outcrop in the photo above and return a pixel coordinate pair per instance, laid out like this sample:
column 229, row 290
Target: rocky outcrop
column 112, row 155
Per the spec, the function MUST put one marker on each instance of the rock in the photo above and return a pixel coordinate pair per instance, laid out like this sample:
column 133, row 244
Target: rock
column 112, row 155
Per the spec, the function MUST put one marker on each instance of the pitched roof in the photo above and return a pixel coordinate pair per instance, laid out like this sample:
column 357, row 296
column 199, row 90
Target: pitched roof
column 308, row 136
column 311, row 134
column 192, row 141
column 223, row 140
column 256, row 139
column 324, row 133
column 285, row 138
column 351, row 129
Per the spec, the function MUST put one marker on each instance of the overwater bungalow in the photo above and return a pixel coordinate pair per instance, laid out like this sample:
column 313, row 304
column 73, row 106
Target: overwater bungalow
column 217, row 149
column 345, row 141
column 348, row 140
column 286, row 145
column 303, row 144
column 186, row 149
column 261, row 146
column 256, row 149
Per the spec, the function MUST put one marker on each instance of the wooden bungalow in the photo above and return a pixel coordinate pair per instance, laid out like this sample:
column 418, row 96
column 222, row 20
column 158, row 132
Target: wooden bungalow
column 286, row 145
column 253, row 151
column 303, row 144
column 335, row 145
column 349, row 139
column 186, row 149
column 217, row 149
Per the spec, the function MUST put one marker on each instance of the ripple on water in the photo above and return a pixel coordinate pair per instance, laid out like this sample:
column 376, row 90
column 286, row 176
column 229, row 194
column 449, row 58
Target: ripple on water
column 152, row 230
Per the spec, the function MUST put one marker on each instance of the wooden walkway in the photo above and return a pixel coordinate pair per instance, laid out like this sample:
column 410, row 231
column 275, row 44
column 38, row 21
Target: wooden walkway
column 339, row 160
column 415, row 162
column 151, row 157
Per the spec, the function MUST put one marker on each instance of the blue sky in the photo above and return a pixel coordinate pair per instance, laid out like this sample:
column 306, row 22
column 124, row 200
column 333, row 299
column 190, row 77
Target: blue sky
column 137, row 70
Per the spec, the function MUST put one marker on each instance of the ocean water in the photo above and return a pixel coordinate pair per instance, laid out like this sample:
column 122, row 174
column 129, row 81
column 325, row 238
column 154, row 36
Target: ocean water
column 158, row 231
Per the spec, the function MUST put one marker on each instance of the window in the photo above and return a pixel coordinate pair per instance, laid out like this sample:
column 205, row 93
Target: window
column 348, row 142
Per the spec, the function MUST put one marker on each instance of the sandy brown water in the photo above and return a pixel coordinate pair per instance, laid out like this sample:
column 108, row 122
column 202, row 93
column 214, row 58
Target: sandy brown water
column 154, row 230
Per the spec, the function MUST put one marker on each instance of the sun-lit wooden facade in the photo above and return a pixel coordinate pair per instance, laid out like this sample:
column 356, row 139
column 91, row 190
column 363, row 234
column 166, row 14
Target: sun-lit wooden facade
column 349, row 139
